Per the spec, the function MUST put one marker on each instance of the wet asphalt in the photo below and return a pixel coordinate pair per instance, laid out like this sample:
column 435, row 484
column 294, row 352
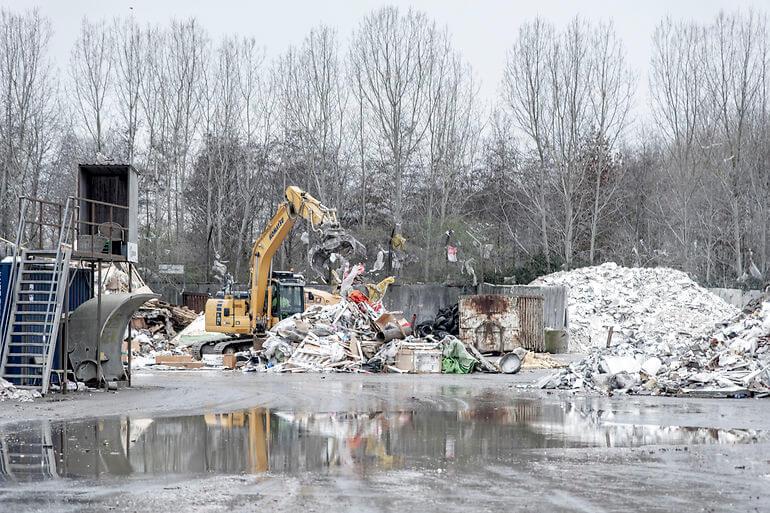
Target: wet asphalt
column 219, row 441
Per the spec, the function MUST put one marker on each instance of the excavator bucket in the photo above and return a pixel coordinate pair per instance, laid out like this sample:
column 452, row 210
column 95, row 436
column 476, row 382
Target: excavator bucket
column 335, row 247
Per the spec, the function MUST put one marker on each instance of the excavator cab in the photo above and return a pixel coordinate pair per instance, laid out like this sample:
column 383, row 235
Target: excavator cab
column 287, row 295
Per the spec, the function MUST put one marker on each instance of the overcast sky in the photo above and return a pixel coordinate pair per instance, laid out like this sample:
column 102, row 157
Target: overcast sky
column 482, row 30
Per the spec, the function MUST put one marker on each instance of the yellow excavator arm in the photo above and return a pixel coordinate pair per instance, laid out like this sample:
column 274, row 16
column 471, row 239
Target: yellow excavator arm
column 298, row 204
column 238, row 315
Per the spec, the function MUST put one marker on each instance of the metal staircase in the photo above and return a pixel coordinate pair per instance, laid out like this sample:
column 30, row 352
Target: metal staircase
column 36, row 304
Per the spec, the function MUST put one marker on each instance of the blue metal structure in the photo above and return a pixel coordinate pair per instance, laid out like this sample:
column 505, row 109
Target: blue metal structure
column 80, row 290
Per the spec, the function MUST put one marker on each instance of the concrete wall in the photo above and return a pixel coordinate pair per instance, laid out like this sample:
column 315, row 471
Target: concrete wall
column 423, row 300
column 736, row 297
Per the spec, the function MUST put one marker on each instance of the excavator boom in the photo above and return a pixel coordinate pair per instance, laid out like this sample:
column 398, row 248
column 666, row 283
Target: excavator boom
column 253, row 314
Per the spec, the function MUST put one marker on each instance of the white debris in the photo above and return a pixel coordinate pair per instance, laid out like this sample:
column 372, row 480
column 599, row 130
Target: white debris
column 733, row 360
column 323, row 338
column 617, row 364
column 642, row 305
column 9, row 392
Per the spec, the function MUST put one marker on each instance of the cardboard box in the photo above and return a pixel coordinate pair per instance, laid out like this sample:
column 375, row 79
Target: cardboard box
column 419, row 360
column 229, row 361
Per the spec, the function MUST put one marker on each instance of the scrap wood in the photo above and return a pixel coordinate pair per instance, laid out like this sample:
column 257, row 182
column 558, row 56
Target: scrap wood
column 483, row 361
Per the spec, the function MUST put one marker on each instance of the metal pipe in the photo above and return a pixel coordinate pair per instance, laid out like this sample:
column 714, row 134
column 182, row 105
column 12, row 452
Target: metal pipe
column 130, row 274
column 98, row 327
column 66, row 334
column 389, row 334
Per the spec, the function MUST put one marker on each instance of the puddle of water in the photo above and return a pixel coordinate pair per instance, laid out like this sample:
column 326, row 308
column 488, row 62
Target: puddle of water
column 260, row 440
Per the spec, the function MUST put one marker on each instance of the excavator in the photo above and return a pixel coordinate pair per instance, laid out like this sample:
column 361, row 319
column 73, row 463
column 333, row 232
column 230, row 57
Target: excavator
column 274, row 295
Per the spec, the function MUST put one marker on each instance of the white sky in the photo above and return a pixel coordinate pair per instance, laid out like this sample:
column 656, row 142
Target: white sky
column 482, row 30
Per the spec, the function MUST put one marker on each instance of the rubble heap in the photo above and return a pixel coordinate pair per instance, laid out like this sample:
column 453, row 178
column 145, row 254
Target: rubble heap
column 357, row 335
column 337, row 337
column 9, row 392
column 644, row 306
column 732, row 361
column 154, row 328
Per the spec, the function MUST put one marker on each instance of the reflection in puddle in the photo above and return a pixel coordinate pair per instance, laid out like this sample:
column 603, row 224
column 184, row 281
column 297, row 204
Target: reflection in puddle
column 260, row 440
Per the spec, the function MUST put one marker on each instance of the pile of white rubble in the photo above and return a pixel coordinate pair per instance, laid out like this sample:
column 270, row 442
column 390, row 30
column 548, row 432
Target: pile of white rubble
column 9, row 392
column 727, row 357
column 642, row 305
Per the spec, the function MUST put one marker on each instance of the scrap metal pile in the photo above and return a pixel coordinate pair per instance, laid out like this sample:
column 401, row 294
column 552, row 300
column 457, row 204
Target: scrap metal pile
column 732, row 360
column 358, row 335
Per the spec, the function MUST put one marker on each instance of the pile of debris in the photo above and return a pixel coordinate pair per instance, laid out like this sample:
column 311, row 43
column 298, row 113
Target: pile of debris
column 154, row 330
column 732, row 361
column 357, row 335
column 614, row 305
column 336, row 337
column 8, row 391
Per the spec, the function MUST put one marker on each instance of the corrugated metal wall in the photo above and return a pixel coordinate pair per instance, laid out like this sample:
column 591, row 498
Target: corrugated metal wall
column 531, row 325
column 554, row 301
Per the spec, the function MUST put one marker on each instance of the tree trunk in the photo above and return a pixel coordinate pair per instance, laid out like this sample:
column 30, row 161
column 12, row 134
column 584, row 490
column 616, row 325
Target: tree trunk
column 544, row 220
column 735, row 207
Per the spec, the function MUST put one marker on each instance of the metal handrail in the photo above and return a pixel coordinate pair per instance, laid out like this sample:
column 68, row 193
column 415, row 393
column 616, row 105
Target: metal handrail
column 92, row 204
column 39, row 221
column 5, row 319
column 56, row 297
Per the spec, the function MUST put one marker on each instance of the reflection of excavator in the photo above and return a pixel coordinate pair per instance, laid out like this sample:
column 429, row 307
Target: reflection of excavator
column 274, row 295
column 258, row 421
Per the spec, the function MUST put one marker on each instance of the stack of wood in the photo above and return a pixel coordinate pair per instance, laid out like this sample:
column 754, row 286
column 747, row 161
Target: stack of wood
column 159, row 316
column 316, row 354
column 181, row 316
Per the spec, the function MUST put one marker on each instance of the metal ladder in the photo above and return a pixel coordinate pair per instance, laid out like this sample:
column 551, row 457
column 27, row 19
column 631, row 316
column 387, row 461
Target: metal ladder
column 36, row 306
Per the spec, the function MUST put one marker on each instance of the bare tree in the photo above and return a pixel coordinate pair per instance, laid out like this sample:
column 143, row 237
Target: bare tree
column 525, row 90
column 90, row 72
column 27, row 101
column 314, row 103
column 184, row 62
column 708, row 83
column 677, row 86
column 452, row 140
column 735, row 69
column 130, row 67
column 611, row 101
column 560, row 88
column 393, row 57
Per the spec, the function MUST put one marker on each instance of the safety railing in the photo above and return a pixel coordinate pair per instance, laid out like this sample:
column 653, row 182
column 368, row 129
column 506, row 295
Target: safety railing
column 99, row 225
column 5, row 315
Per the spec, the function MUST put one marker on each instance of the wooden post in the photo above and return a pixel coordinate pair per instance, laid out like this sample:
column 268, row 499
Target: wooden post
column 609, row 335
